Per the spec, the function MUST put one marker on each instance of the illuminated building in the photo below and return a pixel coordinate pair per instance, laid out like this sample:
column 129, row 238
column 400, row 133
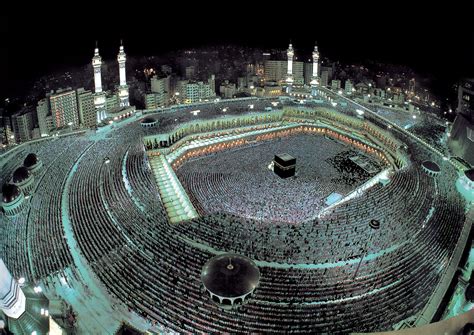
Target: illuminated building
column 289, row 79
column 64, row 108
column 123, row 88
column 99, row 96
column 12, row 298
column 315, row 76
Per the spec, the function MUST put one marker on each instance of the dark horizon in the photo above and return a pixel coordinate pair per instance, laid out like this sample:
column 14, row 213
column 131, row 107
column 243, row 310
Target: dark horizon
column 436, row 41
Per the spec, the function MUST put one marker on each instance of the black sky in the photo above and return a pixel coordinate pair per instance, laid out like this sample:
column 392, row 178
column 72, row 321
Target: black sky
column 434, row 38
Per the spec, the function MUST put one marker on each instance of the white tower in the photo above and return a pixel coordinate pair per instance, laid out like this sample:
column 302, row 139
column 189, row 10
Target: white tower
column 12, row 298
column 289, row 79
column 315, row 76
column 123, row 88
column 99, row 96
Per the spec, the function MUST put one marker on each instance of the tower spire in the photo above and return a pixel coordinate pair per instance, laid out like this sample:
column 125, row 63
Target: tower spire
column 289, row 77
column 123, row 88
column 315, row 77
column 99, row 97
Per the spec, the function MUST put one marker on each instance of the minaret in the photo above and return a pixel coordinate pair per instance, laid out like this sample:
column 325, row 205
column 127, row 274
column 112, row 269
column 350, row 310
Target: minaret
column 289, row 79
column 99, row 96
column 315, row 76
column 123, row 88
column 12, row 298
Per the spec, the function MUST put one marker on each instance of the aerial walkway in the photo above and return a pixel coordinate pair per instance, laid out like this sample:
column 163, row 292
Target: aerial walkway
column 175, row 200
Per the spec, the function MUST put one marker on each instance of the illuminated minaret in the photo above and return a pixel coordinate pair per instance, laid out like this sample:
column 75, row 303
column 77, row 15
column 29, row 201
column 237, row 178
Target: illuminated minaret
column 123, row 88
column 12, row 298
column 289, row 78
column 99, row 96
column 315, row 77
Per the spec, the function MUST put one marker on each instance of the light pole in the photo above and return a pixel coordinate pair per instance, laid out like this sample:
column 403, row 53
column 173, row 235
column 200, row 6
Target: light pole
column 374, row 225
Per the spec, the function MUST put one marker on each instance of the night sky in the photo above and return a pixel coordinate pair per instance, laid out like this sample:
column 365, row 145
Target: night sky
column 434, row 39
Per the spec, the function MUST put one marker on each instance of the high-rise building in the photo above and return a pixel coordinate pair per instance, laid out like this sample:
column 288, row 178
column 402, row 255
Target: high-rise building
column 276, row 70
column 190, row 72
column 112, row 102
column 64, row 108
column 9, row 136
column 212, row 85
column 308, row 73
column 42, row 112
column 412, row 87
column 195, row 91
column 154, row 100
column 324, row 78
column 461, row 141
column 22, row 124
column 335, row 84
column 162, row 87
column 12, row 298
column 348, row 87
column 227, row 90
column 86, row 108
column 329, row 71
column 123, row 88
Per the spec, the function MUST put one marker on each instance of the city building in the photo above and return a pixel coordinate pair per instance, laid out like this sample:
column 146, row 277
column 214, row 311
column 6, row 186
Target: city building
column 190, row 72
column 227, row 90
column 324, row 78
column 22, row 124
column 194, row 91
column 461, row 140
column 308, row 73
column 162, row 87
column 63, row 106
column 154, row 100
column 335, row 84
column 45, row 119
column 348, row 87
column 86, row 108
column 276, row 71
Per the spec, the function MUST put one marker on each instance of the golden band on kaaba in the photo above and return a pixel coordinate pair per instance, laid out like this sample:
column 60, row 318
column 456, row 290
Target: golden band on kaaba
column 284, row 165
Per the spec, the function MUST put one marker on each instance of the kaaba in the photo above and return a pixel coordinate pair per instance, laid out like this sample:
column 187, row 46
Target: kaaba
column 284, row 165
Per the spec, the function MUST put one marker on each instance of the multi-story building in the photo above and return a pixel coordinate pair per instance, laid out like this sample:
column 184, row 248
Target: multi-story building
column 64, row 108
column 462, row 133
column 348, row 87
column 227, row 90
column 22, row 124
column 86, row 108
column 154, row 100
column 308, row 73
column 276, row 70
column 324, row 78
column 43, row 113
column 335, row 84
column 195, row 91
column 162, row 87
column 190, row 72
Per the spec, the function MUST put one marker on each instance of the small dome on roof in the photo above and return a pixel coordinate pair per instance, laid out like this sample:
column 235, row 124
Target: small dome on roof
column 30, row 160
column 230, row 275
column 149, row 119
column 431, row 166
column 470, row 174
column 21, row 174
column 10, row 192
